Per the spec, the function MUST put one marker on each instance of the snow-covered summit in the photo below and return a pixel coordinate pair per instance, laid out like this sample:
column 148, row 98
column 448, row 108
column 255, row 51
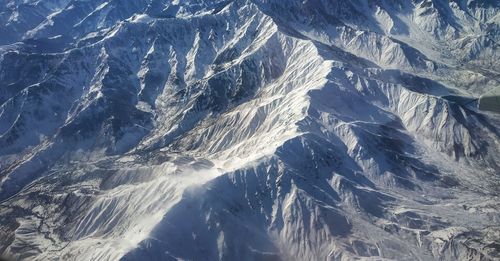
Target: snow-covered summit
column 255, row 130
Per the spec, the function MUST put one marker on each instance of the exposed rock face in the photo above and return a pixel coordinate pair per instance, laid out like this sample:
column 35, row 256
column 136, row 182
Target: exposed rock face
column 252, row 130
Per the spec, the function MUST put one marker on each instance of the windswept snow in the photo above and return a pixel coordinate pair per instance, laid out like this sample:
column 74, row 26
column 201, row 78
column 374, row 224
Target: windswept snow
column 249, row 129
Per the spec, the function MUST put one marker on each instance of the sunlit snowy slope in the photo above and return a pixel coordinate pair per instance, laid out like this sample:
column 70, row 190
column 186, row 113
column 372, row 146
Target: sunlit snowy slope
column 249, row 130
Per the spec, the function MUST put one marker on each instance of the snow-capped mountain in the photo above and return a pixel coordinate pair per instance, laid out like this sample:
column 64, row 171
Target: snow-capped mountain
column 249, row 130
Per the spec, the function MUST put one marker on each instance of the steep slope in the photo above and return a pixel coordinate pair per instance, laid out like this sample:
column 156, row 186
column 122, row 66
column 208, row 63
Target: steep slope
column 275, row 130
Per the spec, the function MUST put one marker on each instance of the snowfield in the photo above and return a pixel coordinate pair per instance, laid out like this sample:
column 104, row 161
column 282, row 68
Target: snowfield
column 249, row 130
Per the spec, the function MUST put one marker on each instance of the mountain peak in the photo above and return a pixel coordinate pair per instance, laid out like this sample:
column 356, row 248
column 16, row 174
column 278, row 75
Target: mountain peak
column 249, row 129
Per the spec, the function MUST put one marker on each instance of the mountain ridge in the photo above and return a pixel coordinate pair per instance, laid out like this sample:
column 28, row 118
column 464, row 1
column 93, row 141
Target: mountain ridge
column 244, row 117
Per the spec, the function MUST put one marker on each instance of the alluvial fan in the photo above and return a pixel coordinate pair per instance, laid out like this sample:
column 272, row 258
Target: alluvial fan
column 249, row 130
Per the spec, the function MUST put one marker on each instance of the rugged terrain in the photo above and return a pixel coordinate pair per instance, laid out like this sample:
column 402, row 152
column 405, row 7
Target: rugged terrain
column 249, row 130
